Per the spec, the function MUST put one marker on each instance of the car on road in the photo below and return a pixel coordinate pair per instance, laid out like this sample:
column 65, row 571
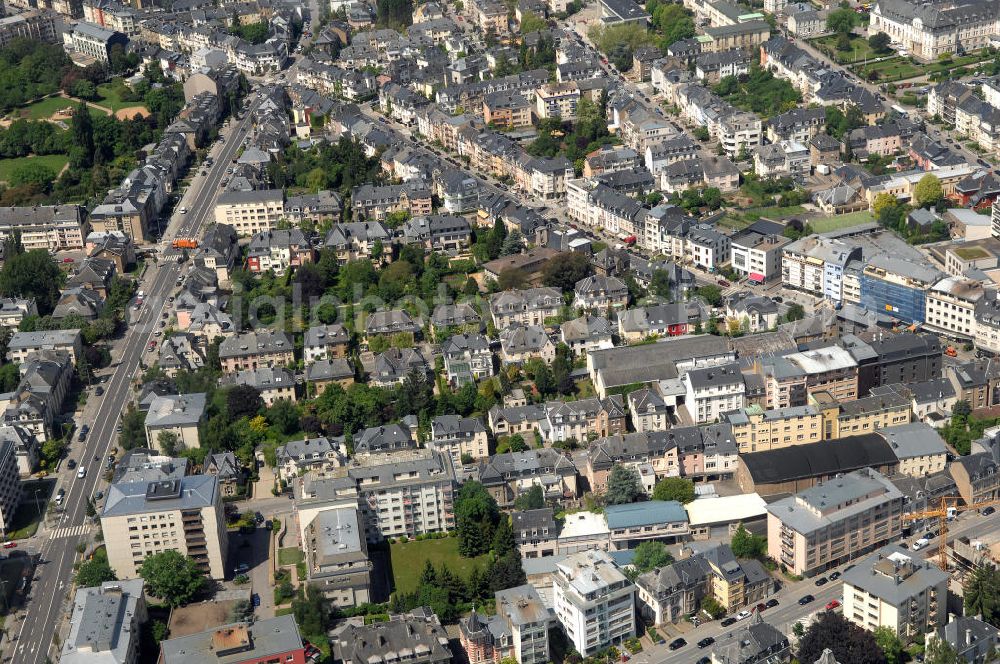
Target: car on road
column 742, row 615
column 259, row 517
column 832, row 604
column 184, row 210
column 728, row 621
column 704, row 660
column 806, row 599
column 760, row 607
column 989, row 510
column 71, row 464
column 706, row 642
column 80, row 474
column 835, row 576
column 60, row 496
column 724, row 283
column 255, row 599
column 82, row 437
column 99, row 391
column 771, row 603
column 822, row 581
column 158, row 333
column 677, row 644
column 98, row 495
column 9, row 545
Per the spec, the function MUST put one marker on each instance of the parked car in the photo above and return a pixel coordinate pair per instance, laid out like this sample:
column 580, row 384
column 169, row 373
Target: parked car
column 832, row 604
column 771, row 603
column 835, row 576
column 822, row 581
column 80, row 474
column 743, row 615
column 760, row 607
column 806, row 599
column 706, row 642
column 99, row 391
column 71, row 464
column 9, row 545
column 677, row 644
column 728, row 621
column 989, row 510
column 255, row 599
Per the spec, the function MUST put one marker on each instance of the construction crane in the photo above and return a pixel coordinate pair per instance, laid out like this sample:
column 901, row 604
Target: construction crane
column 947, row 509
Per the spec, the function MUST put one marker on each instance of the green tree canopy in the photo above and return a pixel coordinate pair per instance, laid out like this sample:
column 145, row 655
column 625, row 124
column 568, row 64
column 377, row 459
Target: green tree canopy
column 532, row 499
column 650, row 555
column 847, row 641
column 172, row 577
column 680, row 489
column 747, row 545
column 32, row 274
column 841, row 21
column 879, row 42
column 623, row 485
column 476, row 517
column 982, row 594
column 94, row 572
column 928, row 191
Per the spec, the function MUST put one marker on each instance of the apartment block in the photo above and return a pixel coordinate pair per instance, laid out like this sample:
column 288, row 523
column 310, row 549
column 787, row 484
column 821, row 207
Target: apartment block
column 336, row 553
column 418, row 636
column 460, row 437
column 261, row 642
column 519, row 629
column 250, row 212
column 23, row 344
column 105, row 624
column 183, row 514
column 712, row 391
column 758, row 256
column 261, row 348
column 951, row 307
column 815, row 264
column 33, row 25
column 10, row 484
column 757, row 430
column 594, row 601
column 896, row 589
column 834, row 521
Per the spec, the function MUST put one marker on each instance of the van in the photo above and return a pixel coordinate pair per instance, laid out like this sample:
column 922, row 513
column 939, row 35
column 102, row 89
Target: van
column 920, row 543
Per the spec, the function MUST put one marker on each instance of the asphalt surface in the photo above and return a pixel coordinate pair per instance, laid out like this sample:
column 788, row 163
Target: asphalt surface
column 53, row 586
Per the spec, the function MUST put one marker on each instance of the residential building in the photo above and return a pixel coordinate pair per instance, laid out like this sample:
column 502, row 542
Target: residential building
column 357, row 240
column 175, row 414
column 439, row 232
column 273, row 383
column 951, row 307
column 594, row 601
column 182, row 514
column 712, row 391
column 758, row 256
column 14, row 309
column 519, row 629
column 895, row 589
column 757, row 430
column 583, row 418
column 278, row 251
column 467, row 358
column 972, row 639
column 259, row 348
column 26, row 447
column 10, row 485
column 31, row 25
column 600, row 293
column 955, row 28
column 649, row 411
column 393, row 321
column 535, row 532
column 587, row 333
column 395, row 364
column 634, row 523
column 977, row 475
column 264, row 640
column 325, row 342
column 557, row 100
column 752, row 313
column 231, row 475
column 527, row 307
column 94, row 41
column 418, row 634
column 520, row 343
column 24, row 344
column 318, row 456
column 336, row 554
column 834, row 521
column 757, row 642
column 462, row 437
column 105, row 625
column 250, row 212
column 507, row 476
column 815, row 264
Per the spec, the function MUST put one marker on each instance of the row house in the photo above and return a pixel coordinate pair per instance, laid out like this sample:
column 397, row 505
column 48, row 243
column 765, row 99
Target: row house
column 465, row 438
column 352, row 85
column 600, row 206
column 378, row 202
column 797, row 124
column 357, row 240
column 584, row 419
column 526, row 307
column 512, row 420
column 260, row 348
column 736, row 130
column 278, row 251
column 507, row 476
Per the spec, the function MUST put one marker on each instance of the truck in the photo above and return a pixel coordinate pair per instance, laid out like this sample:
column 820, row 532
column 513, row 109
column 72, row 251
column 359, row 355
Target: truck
column 185, row 243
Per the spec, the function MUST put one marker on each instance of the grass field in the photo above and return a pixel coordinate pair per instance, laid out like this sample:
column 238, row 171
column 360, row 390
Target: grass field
column 827, row 224
column 858, row 52
column 44, row 108
column 774, row 212
column 111, row 95
column 408, row 560
column 289, row 556
column 895, row 69
column 53, row 161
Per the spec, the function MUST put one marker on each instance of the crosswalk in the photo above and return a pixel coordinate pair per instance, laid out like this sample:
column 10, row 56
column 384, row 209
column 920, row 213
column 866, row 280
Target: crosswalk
column 68, row 531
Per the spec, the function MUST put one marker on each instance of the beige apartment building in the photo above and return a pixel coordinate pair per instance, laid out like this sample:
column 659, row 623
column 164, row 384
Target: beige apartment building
column 834, row 521
column 260, row 348
column 758, row 430
column 557, row 100
column 893, row 588
column 181, row 514
column 853, row 418
column 250, row 212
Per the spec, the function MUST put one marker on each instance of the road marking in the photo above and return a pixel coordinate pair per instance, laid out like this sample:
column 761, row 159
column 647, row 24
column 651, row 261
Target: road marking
column 69, row 531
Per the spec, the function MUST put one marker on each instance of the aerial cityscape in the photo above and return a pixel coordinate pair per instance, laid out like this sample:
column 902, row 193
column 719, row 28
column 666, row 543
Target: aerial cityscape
column 499, row 332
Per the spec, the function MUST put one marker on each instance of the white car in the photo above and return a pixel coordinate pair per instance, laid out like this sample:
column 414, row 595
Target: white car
column 742, row 615
column 184, row 210
column 82, row 472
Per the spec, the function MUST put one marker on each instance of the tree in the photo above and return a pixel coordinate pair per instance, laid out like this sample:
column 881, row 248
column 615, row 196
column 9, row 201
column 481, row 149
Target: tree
column 512, row 244
column 795, row 312
column 879, row 42
column 623, row 485
column 82, row 133
column 532, row 499
column 503, row 538
column 962, row 408
column 650, row 555
column 512, row 278
column 172, row 577
column 563, row 270
column 841, row 21
column 32, row 173
column 928, row 191
column 847, row 641
column 530, row 22
column 982, row 594
column 890, row 644
column 506, row 572
column 476, row 518
column 133, row 432
column 711, row 293
column 882, row 201
column 32, row 274
column 747, row 545
column 243, row 401
column 167, row 441
column 660, row 284
column 939, row 651
column 674, row 488
column 94, row 572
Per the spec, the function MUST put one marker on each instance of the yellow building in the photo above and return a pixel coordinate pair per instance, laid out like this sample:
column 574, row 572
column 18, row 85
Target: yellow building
column 853, row 418
column 759, row 430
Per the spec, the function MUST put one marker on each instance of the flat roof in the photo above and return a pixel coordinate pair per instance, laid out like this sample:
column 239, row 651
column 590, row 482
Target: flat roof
column 710, row 510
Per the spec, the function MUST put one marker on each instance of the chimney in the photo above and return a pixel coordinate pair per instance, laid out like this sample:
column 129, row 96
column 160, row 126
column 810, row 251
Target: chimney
column 968, row 637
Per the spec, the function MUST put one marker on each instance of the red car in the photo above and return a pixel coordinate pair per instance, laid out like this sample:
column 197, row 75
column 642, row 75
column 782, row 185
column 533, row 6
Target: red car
column 832, row 604
column 9, row 545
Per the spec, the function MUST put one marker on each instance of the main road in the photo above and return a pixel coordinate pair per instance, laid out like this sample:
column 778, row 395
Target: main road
column 43, row 615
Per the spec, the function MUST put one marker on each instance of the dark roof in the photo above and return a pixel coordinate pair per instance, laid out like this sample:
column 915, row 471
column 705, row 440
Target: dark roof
column 819, row 459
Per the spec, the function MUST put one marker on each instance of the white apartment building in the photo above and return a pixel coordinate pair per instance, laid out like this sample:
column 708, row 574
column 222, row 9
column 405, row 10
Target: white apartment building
column 182, row 514
column 757, row 255
column 250, row 212
column 105, row 625
column 459, row 437
column 950, row 306
column 712, row 391
column 815, row 264
column 707, row 247
column 557, row 100
column 594, row 601
column 894, row 588
column 834, row 521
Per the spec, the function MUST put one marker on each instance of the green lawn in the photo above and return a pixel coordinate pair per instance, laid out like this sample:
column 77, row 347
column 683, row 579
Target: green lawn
column 827, row 224
column 408, row 560
column 290, row 556
column 895, row 69
column 44, row 108
column 53, row 161
column 858, row 52
column 110, row 95
column 774, row 212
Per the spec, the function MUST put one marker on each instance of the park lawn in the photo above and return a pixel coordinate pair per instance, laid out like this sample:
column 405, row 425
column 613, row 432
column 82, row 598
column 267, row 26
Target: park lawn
column 827, row 224
column 408, row 560
column 774, row 212
column 54, row 161
column 895, row 69
column 859, row 51
column 44, row 108
column 110, row 95
column 290, row 556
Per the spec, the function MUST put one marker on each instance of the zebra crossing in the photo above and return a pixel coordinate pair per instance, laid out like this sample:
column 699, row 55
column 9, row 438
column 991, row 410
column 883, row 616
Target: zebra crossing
column 68, row 531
